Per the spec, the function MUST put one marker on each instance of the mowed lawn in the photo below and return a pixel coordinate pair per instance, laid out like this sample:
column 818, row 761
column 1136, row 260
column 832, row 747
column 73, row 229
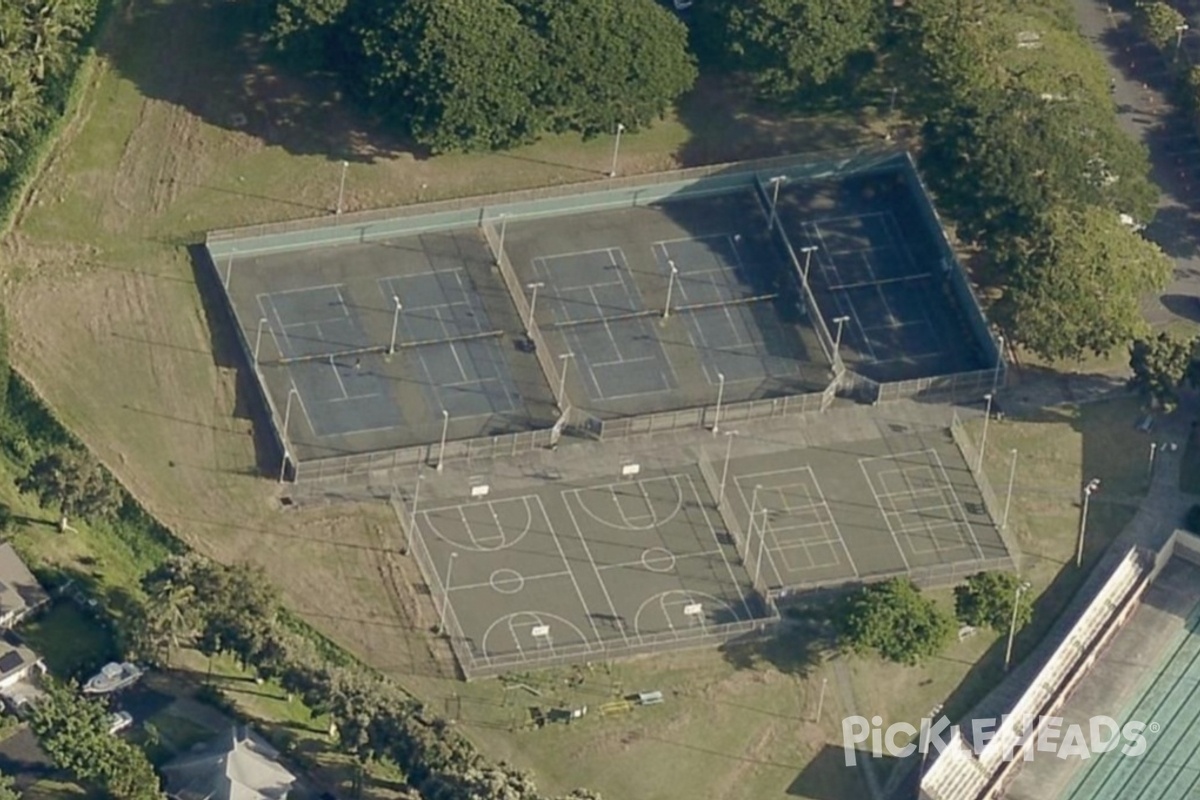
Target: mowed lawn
column 180, row 132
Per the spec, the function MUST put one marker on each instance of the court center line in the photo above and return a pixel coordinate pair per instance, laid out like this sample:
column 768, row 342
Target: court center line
column 337, row 375
column 463, row 587
column 587, row 609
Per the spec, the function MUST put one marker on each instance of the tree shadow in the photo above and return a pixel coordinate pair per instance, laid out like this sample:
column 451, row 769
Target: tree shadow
column 206, row 57
column 726, row 124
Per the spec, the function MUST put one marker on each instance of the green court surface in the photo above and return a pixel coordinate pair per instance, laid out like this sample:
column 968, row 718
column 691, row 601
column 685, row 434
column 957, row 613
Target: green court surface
column 1169, row 706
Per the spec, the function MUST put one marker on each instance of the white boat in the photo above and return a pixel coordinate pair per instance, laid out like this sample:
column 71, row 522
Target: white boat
column 113, row 677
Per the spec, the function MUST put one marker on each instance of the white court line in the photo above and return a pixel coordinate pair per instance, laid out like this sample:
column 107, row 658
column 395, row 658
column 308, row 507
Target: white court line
column 621, row 361
column 350, row 397
column 304, row 408
column 588, row 552
column 640, row 563
column 716, row 538
column 929, row 529
column 868, row 215
column 484, row 542
column 958, row 502
column 924, row 522
column 458, row 587
column 891, row 530
column 282, row 328
column 898, row 236
column 336, row 374
column 342, row 301
column 611, row 487
column 308, row 289
column 546, row 269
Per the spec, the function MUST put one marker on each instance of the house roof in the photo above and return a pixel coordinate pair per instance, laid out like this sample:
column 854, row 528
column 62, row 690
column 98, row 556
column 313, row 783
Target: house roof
column 19, row 590
column 237, row 765
column 14, row 657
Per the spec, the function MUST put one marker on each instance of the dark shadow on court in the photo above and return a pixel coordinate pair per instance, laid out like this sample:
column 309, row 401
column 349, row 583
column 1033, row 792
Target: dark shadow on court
column 228, row 354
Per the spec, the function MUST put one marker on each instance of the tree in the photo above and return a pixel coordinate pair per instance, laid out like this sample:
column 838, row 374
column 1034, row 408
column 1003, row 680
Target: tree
column 168, row 620
column 895, row 620
column 1159, row 23
column 1160, row 365
column 73, row 730
column 1005, row 165
column 70, row 480
column 596, row 69
column 790, row 46
column 8, row 789
column 985, row 600
column 1077, row 283
column 458, row 75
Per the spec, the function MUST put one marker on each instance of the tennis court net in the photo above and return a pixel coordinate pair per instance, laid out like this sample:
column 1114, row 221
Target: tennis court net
column 383, row 349
column 658, row 312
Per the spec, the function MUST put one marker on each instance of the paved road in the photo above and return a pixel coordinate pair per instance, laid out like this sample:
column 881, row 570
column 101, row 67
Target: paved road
column 1141, row 83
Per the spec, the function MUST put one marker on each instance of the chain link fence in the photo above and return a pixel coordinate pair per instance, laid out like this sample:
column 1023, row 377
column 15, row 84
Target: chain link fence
column 475, row 663
column 704, row 417
column 971, row 455
column 479, row 448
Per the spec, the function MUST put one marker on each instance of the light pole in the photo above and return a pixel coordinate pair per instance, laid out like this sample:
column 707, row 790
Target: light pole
column 342, row 187
column 258, row 341
column 416, row 498
column 987, row 414
column 1091, row 487
column 1153, row 455
column 1022, row 587
column 892, row 102
column 503, row 230
column 1012, row 474
column 1179, row 30
column 933, row 712
column 446, row 596
column 808, row 251
column 999, row 361
column 725, row 469
column 777, row 181
column 837, row 341
column 753, row 511
column 821, row 699
column 612, row 173
column 670, row 287
column 287, row 418
column 395, row 323
column 562, row 381
column 762, row 545
column 720, row 397
column 442, row 447
column 532, row 287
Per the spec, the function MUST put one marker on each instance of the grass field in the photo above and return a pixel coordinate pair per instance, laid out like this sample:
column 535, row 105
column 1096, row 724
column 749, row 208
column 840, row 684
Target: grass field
column 109, row 324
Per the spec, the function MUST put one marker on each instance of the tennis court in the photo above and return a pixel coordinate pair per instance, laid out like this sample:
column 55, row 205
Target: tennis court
column 668, row 305
column 375, row 346
column 857, row 511
column 876, row 274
